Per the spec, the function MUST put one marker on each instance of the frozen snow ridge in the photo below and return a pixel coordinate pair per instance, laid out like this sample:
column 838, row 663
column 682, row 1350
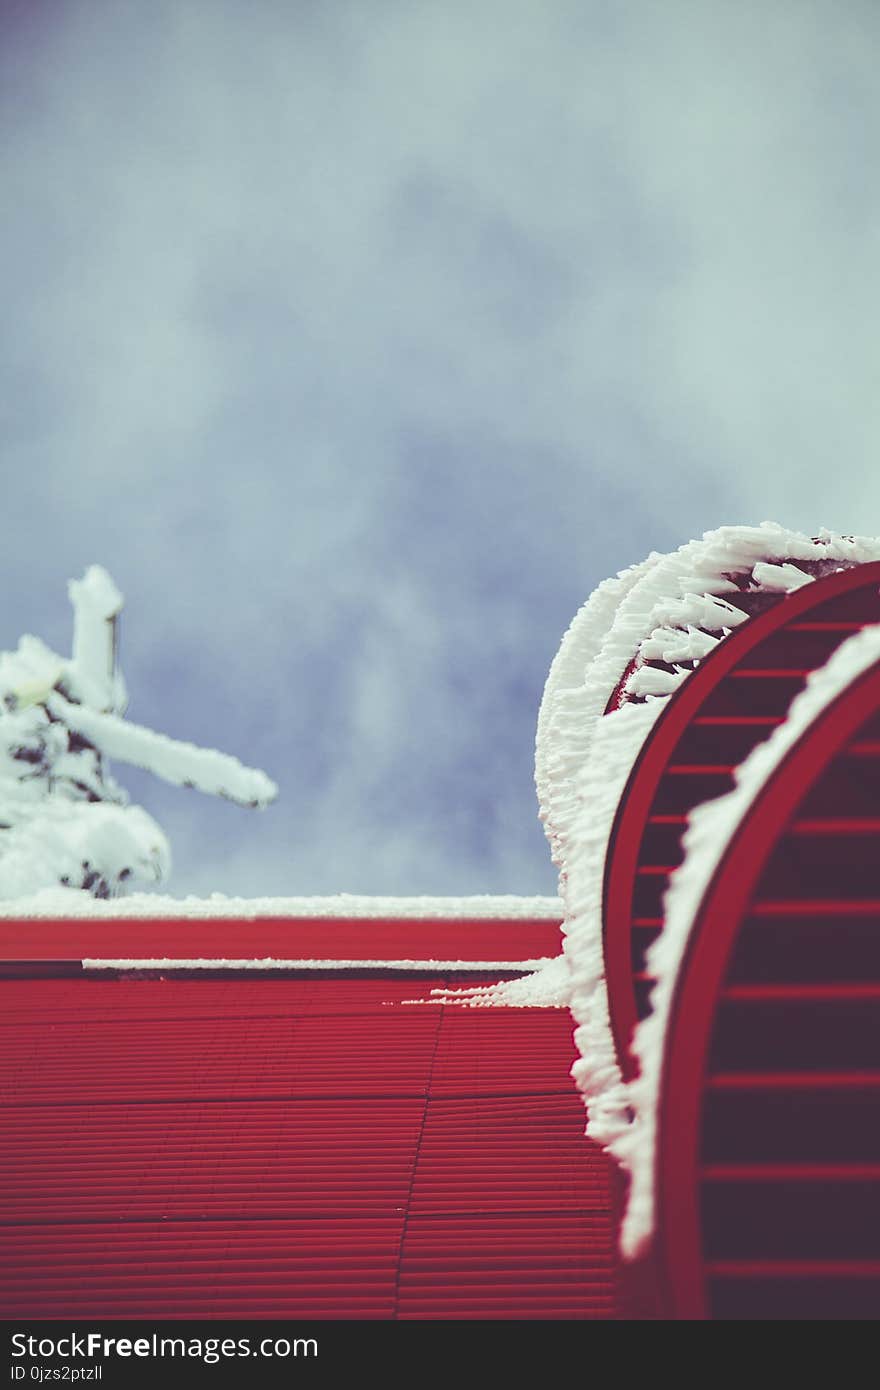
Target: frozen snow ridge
column 600, row 703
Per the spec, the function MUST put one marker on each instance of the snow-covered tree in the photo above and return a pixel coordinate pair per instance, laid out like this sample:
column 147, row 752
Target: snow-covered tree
column 63, row 818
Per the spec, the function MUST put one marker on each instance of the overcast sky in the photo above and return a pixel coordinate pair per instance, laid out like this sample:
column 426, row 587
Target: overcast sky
column 359, row 341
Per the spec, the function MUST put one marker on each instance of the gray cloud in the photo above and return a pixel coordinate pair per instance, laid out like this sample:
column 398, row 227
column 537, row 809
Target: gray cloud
column 359, row 342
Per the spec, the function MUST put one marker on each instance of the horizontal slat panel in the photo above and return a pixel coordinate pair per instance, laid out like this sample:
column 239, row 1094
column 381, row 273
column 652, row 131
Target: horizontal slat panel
column 287, row 938
column 505, row 1278
column 185, row 1001
column 148, row 1168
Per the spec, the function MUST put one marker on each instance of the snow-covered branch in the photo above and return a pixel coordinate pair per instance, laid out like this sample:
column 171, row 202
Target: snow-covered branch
column 183, row 764
column 63, row 819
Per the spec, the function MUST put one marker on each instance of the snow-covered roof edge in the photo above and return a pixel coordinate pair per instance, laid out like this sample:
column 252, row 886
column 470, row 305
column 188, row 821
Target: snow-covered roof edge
column 65, row 902
column 172, row 964
column 709, row 831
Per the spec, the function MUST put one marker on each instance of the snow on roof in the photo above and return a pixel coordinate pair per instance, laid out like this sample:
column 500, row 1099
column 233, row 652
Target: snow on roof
column 547, row 987
column 169, row 963
column 74, row 903
column 709, row 831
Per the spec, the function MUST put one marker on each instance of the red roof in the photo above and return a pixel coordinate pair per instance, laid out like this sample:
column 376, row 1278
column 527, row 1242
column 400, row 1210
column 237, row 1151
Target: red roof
column 292, row 1145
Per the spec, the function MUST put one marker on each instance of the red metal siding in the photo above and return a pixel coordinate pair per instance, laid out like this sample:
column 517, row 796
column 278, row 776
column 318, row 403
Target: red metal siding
column 284, row 939
column 293, row 1147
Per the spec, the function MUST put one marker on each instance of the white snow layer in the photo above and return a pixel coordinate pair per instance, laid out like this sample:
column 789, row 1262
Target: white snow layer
column 548, row 987
column 671, row 607
column 75, row 904
column 709, row 831
column 275, row 963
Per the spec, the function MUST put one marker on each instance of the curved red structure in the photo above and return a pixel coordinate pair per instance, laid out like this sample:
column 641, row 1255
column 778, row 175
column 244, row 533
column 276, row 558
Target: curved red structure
column 730, row 703
column 768, row 1156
